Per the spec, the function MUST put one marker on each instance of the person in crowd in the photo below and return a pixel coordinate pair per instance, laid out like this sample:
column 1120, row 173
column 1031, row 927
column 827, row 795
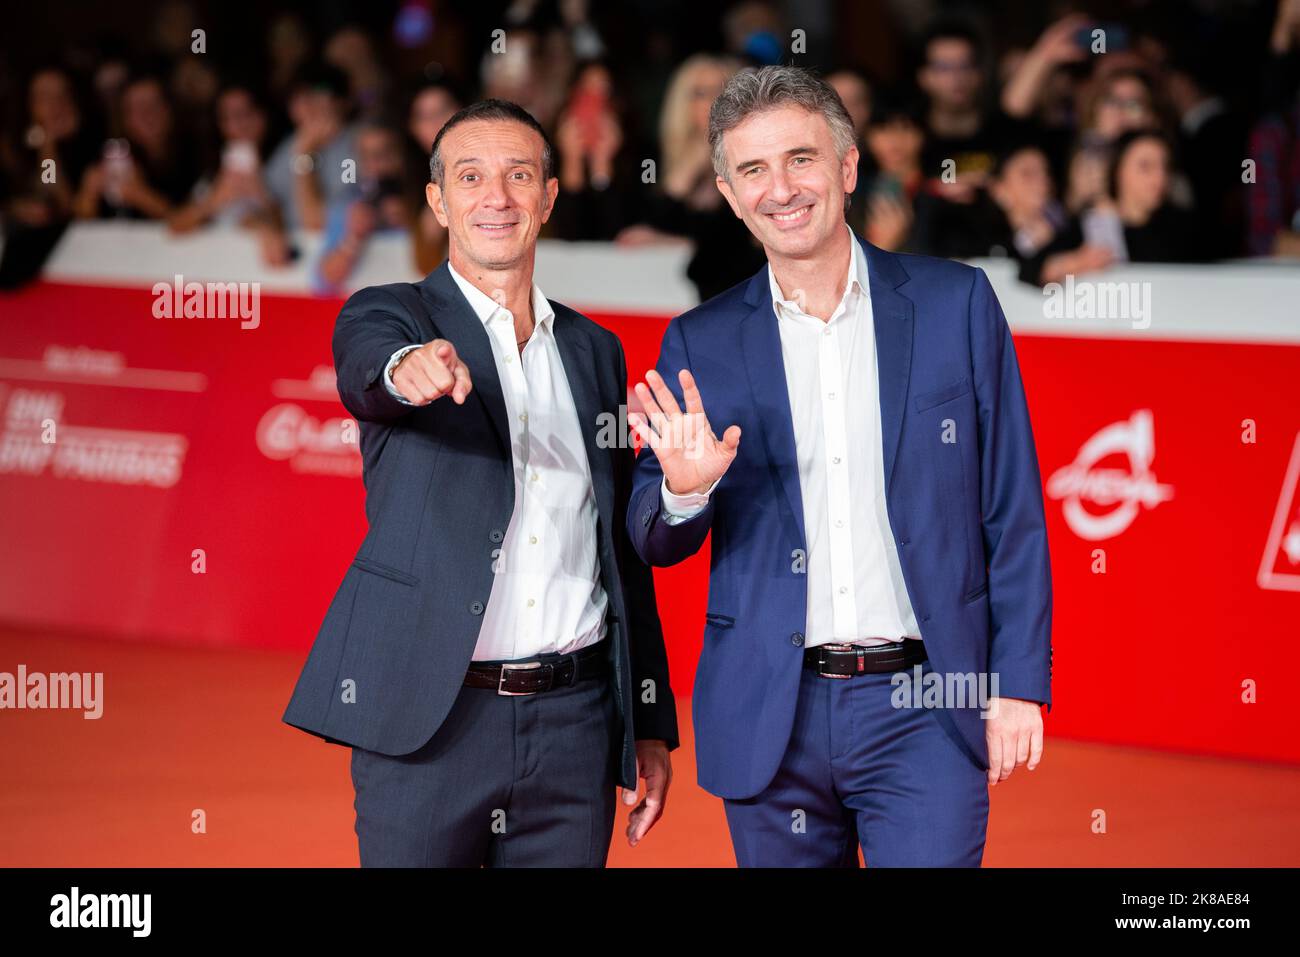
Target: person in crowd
column 305, row 174
column 40, row 165
column 1133, row 222
column 1021, row 185
column 855, row 92
column 352, row 51
column 894, row 138
column 234, row 193
column 963, row 137
column 1211, row 139
column 1273, row 200
column 531, row 67
column 433, row 104
column 149, row 171
column 1114, row 104
column 309, row 171
column 1014, row 214
column 600, row 171
column 1040, row 87
column 687, row 203
column 379, row 205
column 289, row 48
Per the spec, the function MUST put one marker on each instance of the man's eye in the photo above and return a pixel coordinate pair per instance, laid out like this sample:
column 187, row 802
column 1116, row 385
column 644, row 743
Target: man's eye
column 802, row 159
column 469, row 177
column 751, row 171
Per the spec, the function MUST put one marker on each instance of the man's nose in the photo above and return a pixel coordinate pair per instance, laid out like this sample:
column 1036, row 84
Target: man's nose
column 496, row 195
column 782, row 189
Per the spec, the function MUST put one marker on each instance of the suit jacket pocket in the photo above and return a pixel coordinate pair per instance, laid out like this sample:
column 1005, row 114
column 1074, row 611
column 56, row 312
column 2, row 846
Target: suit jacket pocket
column 719, row 621
column 928, row 400
column 385, row 571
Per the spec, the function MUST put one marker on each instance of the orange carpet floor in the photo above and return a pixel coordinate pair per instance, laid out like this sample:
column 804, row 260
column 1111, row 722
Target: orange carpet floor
column 186, row 729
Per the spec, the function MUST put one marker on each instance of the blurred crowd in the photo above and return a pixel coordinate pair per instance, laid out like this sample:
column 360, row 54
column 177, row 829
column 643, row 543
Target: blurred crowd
column 1103, row 140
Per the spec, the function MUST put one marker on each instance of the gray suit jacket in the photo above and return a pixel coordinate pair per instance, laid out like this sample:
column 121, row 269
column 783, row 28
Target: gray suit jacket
column 439, row 495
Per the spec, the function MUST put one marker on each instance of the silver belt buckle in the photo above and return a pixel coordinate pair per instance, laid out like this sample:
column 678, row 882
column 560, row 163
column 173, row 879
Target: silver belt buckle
column 821, row 661
column 515, row 666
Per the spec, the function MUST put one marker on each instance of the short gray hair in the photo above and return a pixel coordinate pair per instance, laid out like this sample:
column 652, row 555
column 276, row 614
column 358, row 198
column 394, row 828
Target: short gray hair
column 767, row 88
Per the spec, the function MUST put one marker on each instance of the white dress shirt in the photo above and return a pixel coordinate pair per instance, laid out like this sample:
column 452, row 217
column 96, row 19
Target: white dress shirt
column 856, row 593
column 547, row 595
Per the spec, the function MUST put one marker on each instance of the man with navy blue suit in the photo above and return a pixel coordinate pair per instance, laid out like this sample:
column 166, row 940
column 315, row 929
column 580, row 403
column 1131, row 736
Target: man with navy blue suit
column 877, row 645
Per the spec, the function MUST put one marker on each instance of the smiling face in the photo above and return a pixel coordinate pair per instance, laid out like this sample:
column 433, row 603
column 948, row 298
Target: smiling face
column 785, row 180
column 493, row 198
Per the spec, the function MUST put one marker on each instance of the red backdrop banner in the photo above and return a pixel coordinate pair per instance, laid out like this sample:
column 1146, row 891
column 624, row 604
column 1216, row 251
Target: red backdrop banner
column 196, row 480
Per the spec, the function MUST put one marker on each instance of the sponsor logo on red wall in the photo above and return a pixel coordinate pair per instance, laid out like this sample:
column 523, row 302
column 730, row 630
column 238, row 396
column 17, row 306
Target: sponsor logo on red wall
column 1116, row 494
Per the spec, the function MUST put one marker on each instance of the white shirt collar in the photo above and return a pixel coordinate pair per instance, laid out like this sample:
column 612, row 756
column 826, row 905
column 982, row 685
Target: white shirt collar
column 857, row 275
column 485, row 307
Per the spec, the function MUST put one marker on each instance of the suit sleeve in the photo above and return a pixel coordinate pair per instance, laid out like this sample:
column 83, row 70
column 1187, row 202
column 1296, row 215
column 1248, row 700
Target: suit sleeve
column 372, row 325
column 656, row 540
column 654, row 709
column 1011, row 507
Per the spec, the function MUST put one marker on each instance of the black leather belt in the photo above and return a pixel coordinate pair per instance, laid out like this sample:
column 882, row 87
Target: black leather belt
column 846, row 661
column 540, row 674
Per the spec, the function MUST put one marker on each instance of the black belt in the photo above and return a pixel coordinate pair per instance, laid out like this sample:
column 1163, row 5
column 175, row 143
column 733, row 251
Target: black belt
column 534, row 675
column 845, row 661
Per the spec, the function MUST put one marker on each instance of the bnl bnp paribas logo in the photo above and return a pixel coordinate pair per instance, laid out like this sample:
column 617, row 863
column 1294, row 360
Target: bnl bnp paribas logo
column 1116, row 494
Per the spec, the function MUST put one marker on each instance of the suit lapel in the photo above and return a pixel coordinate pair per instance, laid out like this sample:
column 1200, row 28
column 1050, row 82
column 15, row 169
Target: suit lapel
column 892, row 319
column 760, row 343
column 456, row 321
column 579, row 368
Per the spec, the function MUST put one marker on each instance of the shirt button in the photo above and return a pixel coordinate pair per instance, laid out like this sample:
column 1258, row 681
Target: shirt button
column 826, row 333
column 523, row 416
column 531, row 603
column 836, row 460
column 843, row 590
column 532, row 539
column 533, row 477
column 839, row 523
column 476, row 608
column 797, row 638
column 510, row 358
column 830, row 395
column 496, row 535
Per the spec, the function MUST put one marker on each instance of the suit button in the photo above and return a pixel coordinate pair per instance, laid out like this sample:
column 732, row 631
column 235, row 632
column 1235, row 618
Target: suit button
column 496, row 535
column 797, row 638
column 476, row 608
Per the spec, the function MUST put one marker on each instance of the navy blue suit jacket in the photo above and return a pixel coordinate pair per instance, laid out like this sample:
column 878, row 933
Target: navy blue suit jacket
column 440, row 491
column 967, row 515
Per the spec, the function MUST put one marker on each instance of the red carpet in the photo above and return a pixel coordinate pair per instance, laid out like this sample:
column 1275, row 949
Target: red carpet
column 188, row 729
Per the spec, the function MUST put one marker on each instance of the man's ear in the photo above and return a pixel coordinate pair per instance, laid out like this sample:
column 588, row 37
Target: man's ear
column 725, row 189
column 433, row 196
column 552, row 191
column 849, row 169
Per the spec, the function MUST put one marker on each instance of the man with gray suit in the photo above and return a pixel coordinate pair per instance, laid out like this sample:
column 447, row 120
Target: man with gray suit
column 493, row 655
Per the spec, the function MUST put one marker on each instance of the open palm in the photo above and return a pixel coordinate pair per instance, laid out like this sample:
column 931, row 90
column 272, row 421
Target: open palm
column 691, row 456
